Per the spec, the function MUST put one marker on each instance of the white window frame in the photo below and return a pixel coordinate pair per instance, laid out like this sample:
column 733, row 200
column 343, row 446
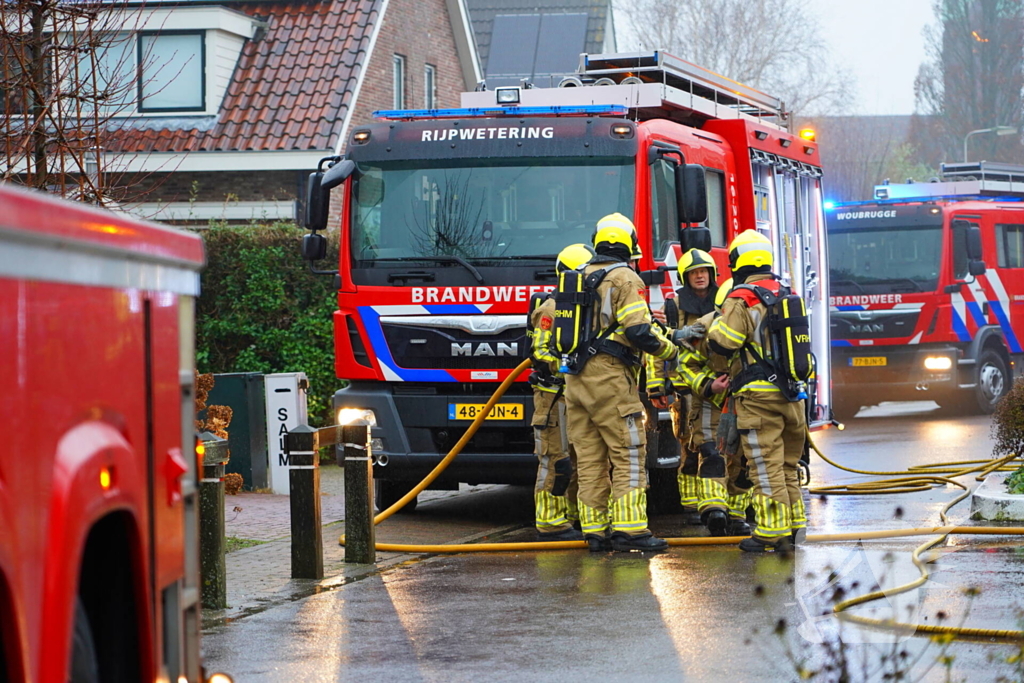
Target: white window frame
column 398, row 82
column 144, row 60
column 429, row 86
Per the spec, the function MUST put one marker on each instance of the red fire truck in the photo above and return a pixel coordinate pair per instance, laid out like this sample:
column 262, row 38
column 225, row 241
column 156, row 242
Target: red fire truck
column 927, row 290
column 451, row 219
column 98, row 527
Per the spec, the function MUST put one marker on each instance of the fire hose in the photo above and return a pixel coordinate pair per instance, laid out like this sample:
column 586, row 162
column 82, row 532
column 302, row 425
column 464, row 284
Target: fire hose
column 916, row 478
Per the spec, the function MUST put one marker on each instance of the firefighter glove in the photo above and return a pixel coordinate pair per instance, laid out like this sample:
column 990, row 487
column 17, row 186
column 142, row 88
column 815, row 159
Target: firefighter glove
column 728, row 435
column 689, row 333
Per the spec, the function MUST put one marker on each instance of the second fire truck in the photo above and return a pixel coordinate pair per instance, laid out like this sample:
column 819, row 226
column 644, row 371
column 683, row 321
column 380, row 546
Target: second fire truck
column 928, row 290
column 451, row 219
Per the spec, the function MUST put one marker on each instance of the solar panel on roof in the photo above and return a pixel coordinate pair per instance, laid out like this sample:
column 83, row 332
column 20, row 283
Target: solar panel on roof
column 562, row 38
column 513, row 48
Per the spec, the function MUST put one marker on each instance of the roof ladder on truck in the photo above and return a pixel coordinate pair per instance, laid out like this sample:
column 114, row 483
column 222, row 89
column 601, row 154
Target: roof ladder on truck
column 980, row 179
column 651, row 85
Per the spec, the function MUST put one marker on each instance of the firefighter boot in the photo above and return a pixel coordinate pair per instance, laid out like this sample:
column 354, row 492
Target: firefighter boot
column 562, row 535
column 717, row 522
column 597, row 543
column 758, row 545
column 625, row 543
column 738, row 527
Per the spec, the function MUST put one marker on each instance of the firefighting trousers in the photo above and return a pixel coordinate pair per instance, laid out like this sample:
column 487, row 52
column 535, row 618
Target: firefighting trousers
column 555, row 492
column 772, row 431
column 720, row 481
column 687, row 473
column 607, row 430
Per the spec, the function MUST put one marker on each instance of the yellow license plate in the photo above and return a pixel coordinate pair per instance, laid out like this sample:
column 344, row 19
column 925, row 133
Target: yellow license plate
column 868, row 361
column 470, row 411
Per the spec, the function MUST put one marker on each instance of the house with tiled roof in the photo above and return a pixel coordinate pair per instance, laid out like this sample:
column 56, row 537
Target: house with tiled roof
column 538, row 40
column 249, row 95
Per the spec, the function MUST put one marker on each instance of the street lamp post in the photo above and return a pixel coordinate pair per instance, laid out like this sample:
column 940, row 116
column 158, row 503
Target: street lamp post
column 998, row 130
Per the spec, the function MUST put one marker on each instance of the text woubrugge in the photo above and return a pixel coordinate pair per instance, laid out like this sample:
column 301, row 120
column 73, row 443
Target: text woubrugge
column 475, row 295
column 491, row 133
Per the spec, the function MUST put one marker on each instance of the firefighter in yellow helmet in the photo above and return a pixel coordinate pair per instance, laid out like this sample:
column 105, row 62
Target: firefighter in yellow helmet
column 694, row 299
column 722, row 484
column 556, row 488
column 770, row 427
column 603, row 407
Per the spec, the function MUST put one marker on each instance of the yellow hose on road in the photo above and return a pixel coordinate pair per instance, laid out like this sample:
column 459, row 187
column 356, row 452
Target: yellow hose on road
column 922, row 478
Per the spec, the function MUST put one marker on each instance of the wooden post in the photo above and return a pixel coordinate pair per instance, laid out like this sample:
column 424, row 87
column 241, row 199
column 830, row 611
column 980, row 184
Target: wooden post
column 302, row 449
column 359, row 536
column 211, row 522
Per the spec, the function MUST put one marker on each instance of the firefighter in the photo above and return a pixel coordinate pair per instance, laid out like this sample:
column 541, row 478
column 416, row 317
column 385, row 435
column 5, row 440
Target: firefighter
column 722, row 484
column 770, row 427
column 556, row 488
column 695, row 299
column 603, row 407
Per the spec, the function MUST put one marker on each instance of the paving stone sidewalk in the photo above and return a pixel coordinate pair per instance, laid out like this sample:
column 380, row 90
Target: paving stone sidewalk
column 259, row 576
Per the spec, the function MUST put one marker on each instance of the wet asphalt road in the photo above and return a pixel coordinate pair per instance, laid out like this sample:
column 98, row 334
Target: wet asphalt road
column 693, row 613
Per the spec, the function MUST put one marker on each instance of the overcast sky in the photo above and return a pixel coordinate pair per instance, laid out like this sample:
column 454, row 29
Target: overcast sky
column 880, row 41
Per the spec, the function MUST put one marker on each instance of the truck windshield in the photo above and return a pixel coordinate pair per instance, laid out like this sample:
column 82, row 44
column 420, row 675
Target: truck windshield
column 481, row 210
column 882, row 261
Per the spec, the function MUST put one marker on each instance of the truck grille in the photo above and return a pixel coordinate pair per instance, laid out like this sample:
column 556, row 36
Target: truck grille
column 873, row 324
column 454, row 349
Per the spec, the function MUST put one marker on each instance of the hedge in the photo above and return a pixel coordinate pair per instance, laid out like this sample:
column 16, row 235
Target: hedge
column 261, row 310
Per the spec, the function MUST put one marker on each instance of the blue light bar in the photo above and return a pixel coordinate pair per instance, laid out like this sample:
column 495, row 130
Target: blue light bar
column 487, row 112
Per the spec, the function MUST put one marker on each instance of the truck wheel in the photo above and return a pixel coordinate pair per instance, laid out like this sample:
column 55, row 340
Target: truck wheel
column 993, row 381
column 386, row 493
column 663, row 495
column 84, row 667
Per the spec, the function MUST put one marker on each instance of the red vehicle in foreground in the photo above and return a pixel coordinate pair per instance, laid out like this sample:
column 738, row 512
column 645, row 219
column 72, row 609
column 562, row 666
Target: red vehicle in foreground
column 451, row 219
column 99, row 575
column 927, row 289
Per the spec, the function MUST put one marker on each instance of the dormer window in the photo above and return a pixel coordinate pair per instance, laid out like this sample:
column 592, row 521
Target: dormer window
column 172, row 71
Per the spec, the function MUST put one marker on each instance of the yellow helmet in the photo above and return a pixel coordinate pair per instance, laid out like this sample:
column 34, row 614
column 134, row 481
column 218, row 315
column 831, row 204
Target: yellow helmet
column 616, row 229
column 574, row 256
column 750, row 248
column 723, row 291
column 694, row 259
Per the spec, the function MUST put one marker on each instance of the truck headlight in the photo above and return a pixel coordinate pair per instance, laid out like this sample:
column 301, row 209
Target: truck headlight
column 347, row 416
column 938, row 363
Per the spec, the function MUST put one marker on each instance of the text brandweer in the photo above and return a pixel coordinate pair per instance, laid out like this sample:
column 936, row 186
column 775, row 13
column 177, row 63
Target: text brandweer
column 502, row 133
column 475, row 295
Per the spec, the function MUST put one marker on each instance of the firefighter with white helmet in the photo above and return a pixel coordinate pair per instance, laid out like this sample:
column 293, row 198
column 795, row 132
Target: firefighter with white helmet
column 770, row 426
column 694, row 299
column 556, row 486
column 604, row 409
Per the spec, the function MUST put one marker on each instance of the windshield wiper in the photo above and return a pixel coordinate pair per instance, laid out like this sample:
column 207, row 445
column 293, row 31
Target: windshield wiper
column 848, row 282
column 893, row 280
column 445, row 258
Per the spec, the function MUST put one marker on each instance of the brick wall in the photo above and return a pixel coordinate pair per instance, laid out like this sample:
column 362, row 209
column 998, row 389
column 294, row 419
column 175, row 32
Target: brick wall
column 421, row 31
column 213, row 186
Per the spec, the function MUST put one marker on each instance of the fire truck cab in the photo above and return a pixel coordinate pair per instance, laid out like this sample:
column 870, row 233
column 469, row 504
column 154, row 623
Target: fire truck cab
column 451, row 219
column 927, row 290
column 99, row 569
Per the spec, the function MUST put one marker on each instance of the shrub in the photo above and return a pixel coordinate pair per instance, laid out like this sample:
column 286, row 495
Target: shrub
column 261, row 310
column 1008, row 431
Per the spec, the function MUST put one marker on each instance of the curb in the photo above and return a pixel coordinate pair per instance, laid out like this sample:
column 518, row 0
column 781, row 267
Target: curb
column 990, row 501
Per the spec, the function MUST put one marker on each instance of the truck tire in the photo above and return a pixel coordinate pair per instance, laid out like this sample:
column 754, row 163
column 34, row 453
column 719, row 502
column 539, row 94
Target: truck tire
column 663, row 495
column 993, row 381
column 84, row 666
column 387, row 492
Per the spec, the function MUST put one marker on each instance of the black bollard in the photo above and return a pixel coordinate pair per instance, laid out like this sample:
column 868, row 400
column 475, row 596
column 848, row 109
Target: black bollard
column 359, row 535
column 302, row 447
column 211, row 522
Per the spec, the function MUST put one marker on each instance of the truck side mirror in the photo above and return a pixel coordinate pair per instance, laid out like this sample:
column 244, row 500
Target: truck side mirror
column 974, row 243
column 691, row 193
column 316, row 213
column 314, row 247
column 653, row 278
column 976, row 267
column 695, row 237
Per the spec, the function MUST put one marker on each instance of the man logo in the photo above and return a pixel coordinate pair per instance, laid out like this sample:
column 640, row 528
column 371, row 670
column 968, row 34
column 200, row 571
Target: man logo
column 866, row 327
column 485, row 349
